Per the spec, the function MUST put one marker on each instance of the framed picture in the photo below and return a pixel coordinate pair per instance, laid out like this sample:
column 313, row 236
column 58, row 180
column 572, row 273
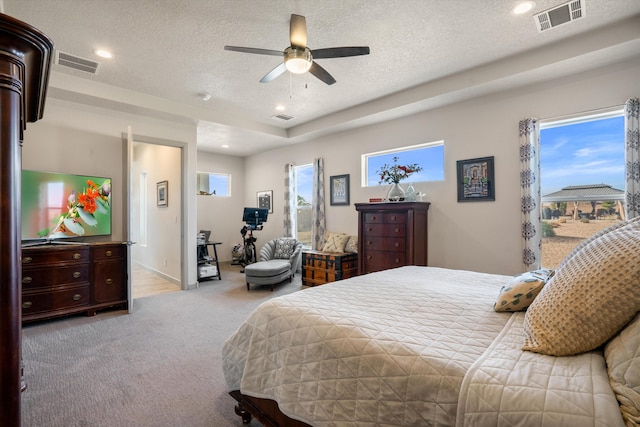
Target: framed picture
column 339, row 190
column 163, row 193
column 265, row 200
column 475, row 180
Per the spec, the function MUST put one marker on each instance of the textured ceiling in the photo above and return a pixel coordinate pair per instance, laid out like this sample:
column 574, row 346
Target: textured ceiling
column 424, row 53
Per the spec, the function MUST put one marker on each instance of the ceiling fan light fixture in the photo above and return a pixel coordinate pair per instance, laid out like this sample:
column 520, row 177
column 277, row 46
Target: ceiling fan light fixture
column 297, row 60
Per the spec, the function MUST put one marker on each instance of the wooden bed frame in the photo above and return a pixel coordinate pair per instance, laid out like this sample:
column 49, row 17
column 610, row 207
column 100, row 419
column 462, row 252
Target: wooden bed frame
column 264, row 410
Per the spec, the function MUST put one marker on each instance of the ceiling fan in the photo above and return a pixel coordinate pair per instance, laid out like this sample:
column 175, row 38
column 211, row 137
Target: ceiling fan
column 298, row 58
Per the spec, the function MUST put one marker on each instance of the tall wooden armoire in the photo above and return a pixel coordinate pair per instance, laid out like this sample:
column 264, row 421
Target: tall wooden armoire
column 25, row 60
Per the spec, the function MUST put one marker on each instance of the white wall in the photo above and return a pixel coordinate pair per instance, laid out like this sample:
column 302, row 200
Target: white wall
column 161, row 253
column 482, row 236
column 222, row 215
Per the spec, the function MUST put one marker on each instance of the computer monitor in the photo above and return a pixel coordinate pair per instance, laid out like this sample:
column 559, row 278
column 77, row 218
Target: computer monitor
column 255, row 217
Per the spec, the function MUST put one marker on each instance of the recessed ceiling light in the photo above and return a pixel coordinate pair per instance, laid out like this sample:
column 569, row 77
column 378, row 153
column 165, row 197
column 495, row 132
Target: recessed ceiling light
column 523, row 7
column 280, row 107
column 225, row 146
column 103, row 53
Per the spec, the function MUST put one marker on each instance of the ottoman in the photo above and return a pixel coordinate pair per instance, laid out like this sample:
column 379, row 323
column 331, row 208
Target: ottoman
column 268, row 272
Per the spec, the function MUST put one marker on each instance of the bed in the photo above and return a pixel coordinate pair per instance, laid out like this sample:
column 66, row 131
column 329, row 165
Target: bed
column 419, row 346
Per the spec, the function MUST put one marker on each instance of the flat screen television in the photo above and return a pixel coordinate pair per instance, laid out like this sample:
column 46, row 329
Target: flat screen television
column 60, row 205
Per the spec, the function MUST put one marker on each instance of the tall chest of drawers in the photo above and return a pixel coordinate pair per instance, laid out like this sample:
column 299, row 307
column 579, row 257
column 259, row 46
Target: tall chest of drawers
column 391, row 235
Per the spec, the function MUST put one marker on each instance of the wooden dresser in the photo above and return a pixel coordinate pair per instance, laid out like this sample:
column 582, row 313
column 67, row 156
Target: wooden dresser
column 65, row 279
column 391, row 235
column 319, row 267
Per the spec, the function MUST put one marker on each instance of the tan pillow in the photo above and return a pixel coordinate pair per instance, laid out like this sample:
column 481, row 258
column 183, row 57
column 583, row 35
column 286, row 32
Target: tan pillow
column 335, row 242
column 518, row 293
column 622, row 354
column 352, row 244
column 591, row 297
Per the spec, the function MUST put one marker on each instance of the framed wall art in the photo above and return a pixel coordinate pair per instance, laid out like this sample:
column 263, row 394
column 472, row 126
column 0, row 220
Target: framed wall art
column 339, row 187
column 162, row 189
column 265, row 200
column 475, row 180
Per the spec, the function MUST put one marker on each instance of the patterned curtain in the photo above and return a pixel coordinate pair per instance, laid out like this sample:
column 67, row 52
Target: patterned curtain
column 289, row 204
column 530, row 194
column 632, row 158
column 317, row 205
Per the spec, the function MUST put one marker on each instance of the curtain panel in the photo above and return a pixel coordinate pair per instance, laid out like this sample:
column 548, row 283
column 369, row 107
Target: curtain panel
column 632, row 158
column 289, row 204
column 317, row 205
column 531, row 222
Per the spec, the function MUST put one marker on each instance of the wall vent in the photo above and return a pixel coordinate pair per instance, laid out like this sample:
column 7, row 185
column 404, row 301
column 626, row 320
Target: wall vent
column 567, row 12
column 282, row 117
column 77, row 63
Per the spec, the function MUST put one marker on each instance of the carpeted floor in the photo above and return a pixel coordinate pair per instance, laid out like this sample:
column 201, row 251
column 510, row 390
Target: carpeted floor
column 159, row 366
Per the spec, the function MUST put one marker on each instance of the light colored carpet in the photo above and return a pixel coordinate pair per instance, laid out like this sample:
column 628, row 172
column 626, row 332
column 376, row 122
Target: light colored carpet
column 159, row 366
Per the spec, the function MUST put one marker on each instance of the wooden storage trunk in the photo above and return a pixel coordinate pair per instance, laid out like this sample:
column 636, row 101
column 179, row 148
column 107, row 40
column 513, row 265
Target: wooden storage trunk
column 319, row 267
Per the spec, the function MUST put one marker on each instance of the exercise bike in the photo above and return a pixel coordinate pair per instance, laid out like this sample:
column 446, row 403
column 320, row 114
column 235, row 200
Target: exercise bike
column 254, row 219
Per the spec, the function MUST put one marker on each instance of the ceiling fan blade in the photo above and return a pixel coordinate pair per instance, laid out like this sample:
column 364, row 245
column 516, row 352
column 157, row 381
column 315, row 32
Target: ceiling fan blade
column 255, row 50
column 298, row 31
column 340, row 52
column 321, row 73
column 274, row 73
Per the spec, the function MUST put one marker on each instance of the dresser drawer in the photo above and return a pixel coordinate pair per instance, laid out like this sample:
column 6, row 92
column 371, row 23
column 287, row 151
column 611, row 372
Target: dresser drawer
column 378, row 260
column 387, row 244
column 385, row 230
column 385, row 218
column 34, row 278
column 107, row 252
column 48, row 256
column 56, row 300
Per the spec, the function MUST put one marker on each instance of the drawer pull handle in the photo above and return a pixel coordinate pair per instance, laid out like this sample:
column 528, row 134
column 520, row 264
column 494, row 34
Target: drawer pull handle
column 393, row 217
column 374, row 218
column 109, row 253
column 27, row 304
column 397, row 244
column 77, row 297
column 27, row 260
column 27, row 280
column 77, row 256
column 368, row 256
column 108, row 281
column 76, row 274
column 369, row 242
column 370, row 229
column 397, row 260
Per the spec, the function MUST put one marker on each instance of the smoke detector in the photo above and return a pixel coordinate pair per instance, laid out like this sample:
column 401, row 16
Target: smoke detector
column 559, row 15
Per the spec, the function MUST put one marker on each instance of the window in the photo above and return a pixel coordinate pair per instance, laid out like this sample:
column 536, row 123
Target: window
column 215, row 184
column 303, row 197
column 582, row 181
column 430, row 156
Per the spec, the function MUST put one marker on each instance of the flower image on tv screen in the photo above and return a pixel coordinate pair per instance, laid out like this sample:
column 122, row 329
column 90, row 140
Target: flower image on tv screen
column 57, row 205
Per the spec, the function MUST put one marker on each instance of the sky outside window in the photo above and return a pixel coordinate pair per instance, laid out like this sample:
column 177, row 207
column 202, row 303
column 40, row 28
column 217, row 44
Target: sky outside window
column 584, row 153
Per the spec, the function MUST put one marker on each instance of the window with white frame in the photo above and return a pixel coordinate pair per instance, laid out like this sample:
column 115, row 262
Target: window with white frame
column 303, row 197
column 429, row 156
column 215, row 184
column 582, row 179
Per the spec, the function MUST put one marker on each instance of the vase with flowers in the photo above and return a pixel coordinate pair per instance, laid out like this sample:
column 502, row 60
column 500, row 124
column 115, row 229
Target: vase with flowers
column 393, row 174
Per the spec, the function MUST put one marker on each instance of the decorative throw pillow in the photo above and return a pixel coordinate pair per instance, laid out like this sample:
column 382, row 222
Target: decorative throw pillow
column 335, row 242
column 352, row 244
column 591, row 297
column 622, row 354
column 284, row 248
column 518, row 293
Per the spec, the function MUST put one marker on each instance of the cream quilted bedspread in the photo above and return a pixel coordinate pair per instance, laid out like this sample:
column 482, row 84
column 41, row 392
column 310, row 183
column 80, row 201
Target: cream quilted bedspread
column 509, row 387
column 389, row 348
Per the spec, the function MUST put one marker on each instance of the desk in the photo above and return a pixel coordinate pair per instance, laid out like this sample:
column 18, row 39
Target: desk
column 205, row 260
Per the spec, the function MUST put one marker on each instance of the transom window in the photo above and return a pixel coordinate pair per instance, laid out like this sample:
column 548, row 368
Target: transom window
column 430, row 156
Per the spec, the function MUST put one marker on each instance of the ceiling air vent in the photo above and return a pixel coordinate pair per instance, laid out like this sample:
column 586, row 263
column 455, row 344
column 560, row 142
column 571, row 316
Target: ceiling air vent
column 282, row 117
column 77, row 63
column 559, row 15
